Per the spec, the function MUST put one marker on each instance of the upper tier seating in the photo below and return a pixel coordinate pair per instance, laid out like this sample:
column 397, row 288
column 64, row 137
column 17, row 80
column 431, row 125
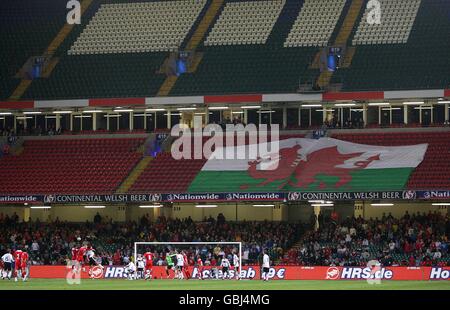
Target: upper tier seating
column 268, row 56
column 433, row 172
column 105, row 76
column 248, row 22
column 76, row 166
column 315, row 23
column 397, row 19
column 138, row 27
column 420, row 63
column 166, row 174
column 27, row 28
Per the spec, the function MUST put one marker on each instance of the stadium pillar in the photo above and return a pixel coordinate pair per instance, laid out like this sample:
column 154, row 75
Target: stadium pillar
column 379, row 115
column 26, row 214
column 316, row 213
column 169, row 122
column 94, row 121
column 359, row 209
column 405, row 114
column 284, row 117
column 365, row 115
column 420, row 114
column 58, row 121
column 446, row 112
column 121, row 214
column 131, row 121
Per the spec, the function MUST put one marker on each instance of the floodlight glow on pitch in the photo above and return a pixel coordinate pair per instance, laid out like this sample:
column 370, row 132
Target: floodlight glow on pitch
column 441, row 204
column 94, row 207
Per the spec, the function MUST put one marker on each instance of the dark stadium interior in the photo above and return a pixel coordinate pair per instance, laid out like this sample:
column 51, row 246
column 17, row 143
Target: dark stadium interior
column 90, row 114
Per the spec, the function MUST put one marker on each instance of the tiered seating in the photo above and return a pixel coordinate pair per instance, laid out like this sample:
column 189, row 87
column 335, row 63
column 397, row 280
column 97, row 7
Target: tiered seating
column 397, row 19
column 248, row 22
column 433, row 172
column 138, row 27
column 165, row 174
column 420, row 63
column 315, row 23
column 104, row 76
column 245, row 69
column 75, row 166
column 27, row 28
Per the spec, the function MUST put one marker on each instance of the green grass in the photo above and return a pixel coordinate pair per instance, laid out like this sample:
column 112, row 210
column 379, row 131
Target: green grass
column 61, row 284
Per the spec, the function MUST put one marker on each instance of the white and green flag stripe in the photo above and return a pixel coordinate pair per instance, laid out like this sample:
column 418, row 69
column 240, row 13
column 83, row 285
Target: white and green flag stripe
column 302, row 164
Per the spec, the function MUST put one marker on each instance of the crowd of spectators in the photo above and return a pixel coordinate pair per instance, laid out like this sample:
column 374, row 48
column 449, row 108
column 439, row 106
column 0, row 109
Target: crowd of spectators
column 412, row 240
column 50, row 242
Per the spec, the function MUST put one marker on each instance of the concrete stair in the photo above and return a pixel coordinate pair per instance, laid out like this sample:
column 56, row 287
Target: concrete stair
column 134, row 175
column 192, row 45
column 20, row 90
column 349, row 22
column 204, row 25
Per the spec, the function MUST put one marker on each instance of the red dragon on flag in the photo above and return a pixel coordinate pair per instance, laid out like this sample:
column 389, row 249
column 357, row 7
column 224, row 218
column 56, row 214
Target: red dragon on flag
column 301, row 172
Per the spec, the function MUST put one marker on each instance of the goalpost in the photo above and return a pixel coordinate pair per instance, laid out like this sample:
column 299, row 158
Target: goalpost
column 175, row 244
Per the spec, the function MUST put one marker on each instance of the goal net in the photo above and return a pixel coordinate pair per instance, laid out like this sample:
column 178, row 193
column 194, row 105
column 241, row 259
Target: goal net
column 204, row 259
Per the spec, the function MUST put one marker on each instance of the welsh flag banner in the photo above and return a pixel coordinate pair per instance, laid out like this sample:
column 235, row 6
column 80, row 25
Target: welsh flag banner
column 302, row 164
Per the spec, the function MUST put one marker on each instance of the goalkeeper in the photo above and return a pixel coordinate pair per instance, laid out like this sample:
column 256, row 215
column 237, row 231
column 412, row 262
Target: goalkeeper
column 169, row 260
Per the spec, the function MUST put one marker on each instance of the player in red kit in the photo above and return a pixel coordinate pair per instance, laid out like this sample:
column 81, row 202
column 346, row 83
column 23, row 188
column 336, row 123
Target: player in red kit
column 148, row 256
column 24, row 266
column 17, row 264
column 81, row 257
column 186, row 266
column 74, row 256
column 200, row 267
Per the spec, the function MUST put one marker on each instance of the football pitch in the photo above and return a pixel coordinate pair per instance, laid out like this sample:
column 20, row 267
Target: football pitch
column 88, row 284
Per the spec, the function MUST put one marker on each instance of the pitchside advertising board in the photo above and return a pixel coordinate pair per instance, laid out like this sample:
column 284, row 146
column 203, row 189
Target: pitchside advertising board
column 226, row 197
column 275, row 273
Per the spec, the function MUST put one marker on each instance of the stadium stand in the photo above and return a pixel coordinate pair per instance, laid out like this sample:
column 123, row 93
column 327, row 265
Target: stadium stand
column 433, row 172
column 395, row 26
column 315, row 23
column 156, row 26
column 114, row 241
column 412, row 240
column 69, row 166
column 163, row 173
column 420, row 63
column 241, row 51
column 247, row 22
column 27, row 29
